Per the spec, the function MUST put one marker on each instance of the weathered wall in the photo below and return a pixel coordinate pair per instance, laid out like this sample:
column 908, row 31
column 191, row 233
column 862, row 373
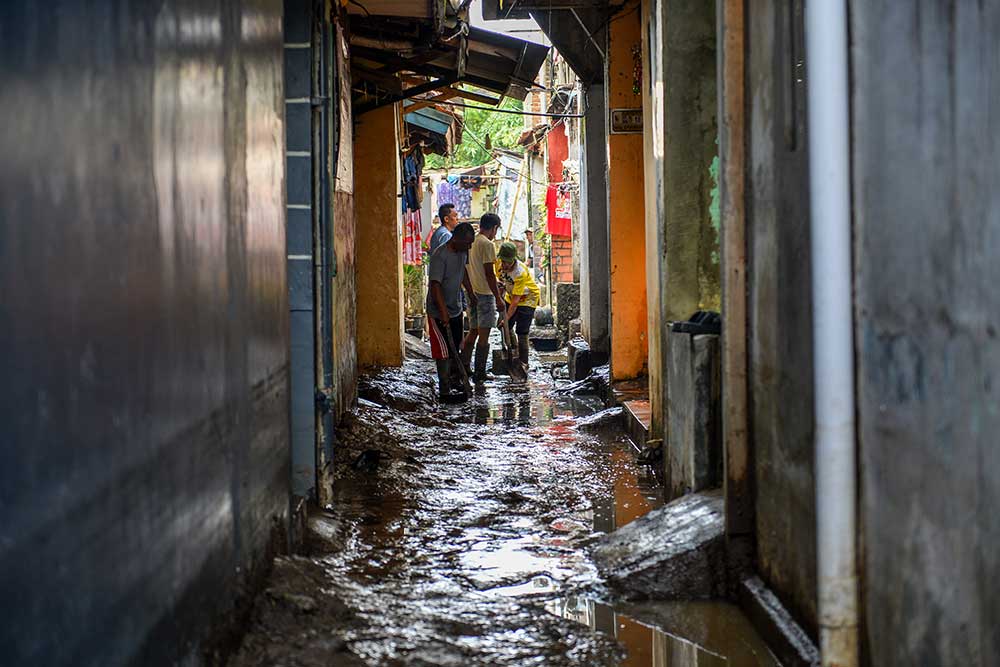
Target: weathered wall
column 379, row 262
column 144, row 377
column 343, row 308
column 779, row 311
column 679, row 114
column 595, row 278
column 626, row 213
column 926, row 154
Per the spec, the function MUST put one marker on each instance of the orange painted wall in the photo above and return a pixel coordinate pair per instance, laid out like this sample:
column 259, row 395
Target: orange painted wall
column 379, row 254
column 627, row 217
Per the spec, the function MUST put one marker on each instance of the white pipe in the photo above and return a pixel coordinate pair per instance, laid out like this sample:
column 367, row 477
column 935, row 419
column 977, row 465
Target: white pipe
column 833, row 338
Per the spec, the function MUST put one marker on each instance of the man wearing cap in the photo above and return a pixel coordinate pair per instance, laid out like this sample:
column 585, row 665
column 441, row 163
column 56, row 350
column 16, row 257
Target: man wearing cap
column 486, row 301
column 521, row 294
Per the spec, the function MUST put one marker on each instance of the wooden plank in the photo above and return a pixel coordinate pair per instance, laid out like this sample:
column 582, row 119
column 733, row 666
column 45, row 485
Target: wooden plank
column 732, row 150
column 477, row 97
column 443, row 96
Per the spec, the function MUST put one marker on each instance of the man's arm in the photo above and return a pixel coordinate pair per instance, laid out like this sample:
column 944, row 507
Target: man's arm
column 491, row 280
column 467, row 284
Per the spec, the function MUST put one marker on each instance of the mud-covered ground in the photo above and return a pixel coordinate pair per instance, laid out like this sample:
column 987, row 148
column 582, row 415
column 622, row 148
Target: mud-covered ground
column 460, row 534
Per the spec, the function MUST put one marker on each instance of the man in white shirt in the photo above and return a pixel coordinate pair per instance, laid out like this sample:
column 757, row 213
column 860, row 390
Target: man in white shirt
column 486, row 300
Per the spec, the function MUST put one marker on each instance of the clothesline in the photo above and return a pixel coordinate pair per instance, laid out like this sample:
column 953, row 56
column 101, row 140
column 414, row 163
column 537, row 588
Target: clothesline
column 495, row 176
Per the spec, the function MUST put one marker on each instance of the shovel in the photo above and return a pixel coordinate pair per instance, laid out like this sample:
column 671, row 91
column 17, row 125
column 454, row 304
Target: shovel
column 514, row 366
column 454, row 356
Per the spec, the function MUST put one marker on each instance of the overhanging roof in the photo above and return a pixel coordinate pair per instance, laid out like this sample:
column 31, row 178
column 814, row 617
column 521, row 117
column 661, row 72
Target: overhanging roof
column 578, row 28
column 437, row 130
column 396, row 57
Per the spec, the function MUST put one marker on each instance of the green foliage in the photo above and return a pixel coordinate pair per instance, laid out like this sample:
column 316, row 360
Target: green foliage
column 413, row 289
column 504, row 130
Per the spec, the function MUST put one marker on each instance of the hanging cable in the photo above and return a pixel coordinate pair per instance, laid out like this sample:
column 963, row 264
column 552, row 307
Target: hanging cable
column 507, row 111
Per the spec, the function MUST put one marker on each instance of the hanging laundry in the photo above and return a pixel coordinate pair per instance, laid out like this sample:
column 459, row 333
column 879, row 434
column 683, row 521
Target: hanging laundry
column 413, row 250
column 428, row 209
column 411, row 182
column 560, row 221
column 451, row 192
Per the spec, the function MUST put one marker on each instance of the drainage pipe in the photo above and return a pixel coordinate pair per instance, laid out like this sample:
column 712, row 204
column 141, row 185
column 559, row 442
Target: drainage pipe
column 833, row 340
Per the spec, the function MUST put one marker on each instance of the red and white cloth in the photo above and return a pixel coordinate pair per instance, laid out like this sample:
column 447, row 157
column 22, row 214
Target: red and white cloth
column 558, row 203
column 413, row 251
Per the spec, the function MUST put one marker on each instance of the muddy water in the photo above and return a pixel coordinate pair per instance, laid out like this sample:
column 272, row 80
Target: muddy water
column 467, row 544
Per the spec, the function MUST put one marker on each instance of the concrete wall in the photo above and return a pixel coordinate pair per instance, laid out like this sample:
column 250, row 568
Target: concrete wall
column 926, row 156
column 379, row 262
column 145, row 322
column 343, row 308
column 595, row 279
column 626, row 212
column 679, row 113
column 779, row 312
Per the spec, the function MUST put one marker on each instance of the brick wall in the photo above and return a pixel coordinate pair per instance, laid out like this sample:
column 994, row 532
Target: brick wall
column 562, row 259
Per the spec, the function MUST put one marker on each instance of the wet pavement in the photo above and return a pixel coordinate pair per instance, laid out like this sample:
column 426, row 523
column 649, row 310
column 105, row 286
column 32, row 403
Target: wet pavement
column 459, row 535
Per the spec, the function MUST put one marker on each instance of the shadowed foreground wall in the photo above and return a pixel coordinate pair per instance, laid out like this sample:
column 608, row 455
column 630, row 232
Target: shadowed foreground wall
column 143, row 400
column 779, row 344
column 926, row 157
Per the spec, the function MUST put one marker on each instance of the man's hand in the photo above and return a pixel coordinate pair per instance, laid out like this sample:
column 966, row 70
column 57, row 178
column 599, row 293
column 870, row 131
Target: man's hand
column 473, row 299
column 501, row 306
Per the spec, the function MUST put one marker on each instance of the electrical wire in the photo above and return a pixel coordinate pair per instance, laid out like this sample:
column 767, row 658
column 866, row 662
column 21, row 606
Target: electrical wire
column 494, row 158
column 363, row 8
column 507, row 111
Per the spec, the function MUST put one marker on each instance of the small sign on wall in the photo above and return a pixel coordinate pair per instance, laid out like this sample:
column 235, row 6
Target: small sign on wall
column 626, row 121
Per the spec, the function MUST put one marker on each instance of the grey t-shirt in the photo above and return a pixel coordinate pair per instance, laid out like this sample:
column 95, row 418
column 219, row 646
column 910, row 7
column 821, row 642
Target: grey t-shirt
column 448, row 268
column 440, row 236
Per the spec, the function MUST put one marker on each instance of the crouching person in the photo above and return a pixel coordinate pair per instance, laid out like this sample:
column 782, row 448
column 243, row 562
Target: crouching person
column 447, row 276
column 521, row 294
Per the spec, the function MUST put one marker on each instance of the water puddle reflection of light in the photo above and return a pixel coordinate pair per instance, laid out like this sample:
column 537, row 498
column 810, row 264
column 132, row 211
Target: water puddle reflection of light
column 706, row 634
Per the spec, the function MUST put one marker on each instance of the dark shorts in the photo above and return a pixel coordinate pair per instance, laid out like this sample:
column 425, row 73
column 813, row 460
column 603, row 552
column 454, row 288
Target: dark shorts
column 523, row 317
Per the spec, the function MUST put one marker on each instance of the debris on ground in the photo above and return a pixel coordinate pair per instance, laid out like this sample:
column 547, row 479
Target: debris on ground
column 458, row 536
column 676, row 552
column 416, row 348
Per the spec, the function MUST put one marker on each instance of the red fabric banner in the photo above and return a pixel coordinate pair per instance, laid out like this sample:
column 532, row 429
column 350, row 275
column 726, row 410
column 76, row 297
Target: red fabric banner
column 560, row 222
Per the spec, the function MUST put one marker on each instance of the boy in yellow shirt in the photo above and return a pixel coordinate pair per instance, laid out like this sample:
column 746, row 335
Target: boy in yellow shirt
column 521, row 294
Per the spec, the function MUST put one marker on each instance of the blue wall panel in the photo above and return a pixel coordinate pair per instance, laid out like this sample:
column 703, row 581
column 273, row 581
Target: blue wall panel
column 299, row 138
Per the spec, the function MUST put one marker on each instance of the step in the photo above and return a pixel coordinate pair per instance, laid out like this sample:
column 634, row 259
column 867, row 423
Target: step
column 636, row 415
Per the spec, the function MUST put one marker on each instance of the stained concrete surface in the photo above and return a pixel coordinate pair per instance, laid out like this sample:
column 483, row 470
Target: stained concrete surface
column 675, row 552
column 779, row 307
column 926, row 164
column 144, row 383
column 468, row 542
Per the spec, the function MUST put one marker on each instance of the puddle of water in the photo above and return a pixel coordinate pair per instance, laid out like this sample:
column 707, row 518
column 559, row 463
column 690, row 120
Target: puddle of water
column 705, row 634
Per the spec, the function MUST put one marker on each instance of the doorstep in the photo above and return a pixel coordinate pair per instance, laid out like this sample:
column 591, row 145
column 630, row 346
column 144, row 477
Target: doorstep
column 636, row 417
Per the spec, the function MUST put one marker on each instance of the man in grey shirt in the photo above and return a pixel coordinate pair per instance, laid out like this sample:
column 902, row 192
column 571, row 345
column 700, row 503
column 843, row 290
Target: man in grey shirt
column 444, row 303
column 448, row 216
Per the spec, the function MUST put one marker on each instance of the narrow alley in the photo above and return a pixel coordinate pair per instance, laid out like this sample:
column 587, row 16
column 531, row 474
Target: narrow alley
column 521, row 333
column 465, row 541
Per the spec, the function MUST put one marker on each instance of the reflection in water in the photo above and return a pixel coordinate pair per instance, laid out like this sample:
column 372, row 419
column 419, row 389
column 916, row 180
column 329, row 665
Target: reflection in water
column 724, row 636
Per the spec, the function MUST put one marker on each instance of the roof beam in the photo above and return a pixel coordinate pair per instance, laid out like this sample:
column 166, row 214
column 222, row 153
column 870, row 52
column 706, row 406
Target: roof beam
column 406, row 94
